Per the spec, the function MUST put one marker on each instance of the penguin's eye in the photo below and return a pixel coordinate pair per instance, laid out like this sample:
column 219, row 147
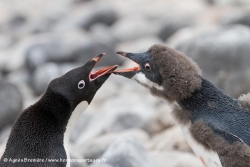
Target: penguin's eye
column 147, row 66
column 81, row 84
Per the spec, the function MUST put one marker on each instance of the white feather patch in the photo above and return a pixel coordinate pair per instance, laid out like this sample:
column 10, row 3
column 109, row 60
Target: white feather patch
column 71, row 124
column 141, row 78
column 209, row 157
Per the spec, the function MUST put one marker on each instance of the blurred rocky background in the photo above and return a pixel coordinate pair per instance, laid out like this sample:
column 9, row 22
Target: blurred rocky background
column 42, row 39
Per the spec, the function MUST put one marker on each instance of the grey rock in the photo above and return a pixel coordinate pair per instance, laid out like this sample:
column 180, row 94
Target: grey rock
column 210, row 2
column 4, row 135
column 137, row 115
column 17, row 21
column 85, row 15
column 17, row 27
column 80, row 1
column 127, row 29
column 47, row 72
column 55, row 47
column 126, row 151
column 237, row 18
column 228, row 2
column 100, row 41
column 2, row 148
column 76, row 160
column 41, row 25
column 123, row 121
column 56, row 50
column 16, row 53
column 90, row 48
column 95, row 147
column 82, row 123
column 10, row 102
column 164, row 116
column 107, row 16
column 5, row 41
column 139, row 45
column 101, row 165
column 35, row 56
column 43, row 75
column 22, row 78
column 175, row 159
column 108, row 90
column 170, row 139
column 94, row 128
column 116, row 116
column 187, row 33
column 220, row 54
column 170, row 26
column 101, row 32
column 77, row 164
column 71, row 47
column 239, row 80
column 18, row 76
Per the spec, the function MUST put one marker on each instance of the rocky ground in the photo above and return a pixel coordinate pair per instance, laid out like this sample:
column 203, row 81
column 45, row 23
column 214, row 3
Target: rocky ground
column 41, row 40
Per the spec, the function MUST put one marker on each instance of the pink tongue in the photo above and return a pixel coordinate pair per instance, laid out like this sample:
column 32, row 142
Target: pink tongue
column 93, row 76
column 98, row 73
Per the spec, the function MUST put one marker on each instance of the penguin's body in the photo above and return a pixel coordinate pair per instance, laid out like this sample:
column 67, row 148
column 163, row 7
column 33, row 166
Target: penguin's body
column 223, row 117
column 40, row 135
column 215, row 125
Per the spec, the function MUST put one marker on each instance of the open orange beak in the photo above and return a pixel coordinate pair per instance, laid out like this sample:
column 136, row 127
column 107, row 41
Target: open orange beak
column 102, row 71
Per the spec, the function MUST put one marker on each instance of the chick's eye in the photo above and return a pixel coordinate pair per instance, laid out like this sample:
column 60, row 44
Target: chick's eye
column 81, row 84
column 147, row 66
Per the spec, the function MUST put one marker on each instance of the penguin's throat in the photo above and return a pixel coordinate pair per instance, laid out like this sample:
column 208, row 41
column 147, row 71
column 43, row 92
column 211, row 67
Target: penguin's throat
column 144, row 81
column 72, row 122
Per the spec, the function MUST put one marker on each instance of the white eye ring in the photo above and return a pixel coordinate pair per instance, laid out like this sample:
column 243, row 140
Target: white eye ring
column 81, row 84
column 147, row 66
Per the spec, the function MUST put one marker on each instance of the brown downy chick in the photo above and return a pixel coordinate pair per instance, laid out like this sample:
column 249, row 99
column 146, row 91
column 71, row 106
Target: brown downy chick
column 215, row 125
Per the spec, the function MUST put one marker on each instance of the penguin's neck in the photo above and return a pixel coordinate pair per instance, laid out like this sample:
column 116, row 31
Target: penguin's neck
column 71, row 124
column 207, row 98
column 67, row 117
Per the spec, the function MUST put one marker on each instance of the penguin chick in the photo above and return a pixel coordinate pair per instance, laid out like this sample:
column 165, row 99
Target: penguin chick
column 215, row 125
column 41, row 133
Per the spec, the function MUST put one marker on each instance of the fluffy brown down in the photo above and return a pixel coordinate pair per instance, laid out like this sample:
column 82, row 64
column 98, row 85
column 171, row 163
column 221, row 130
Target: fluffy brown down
column 231, row 155
column 245, row 98
column 181, row 75
column 182, row 116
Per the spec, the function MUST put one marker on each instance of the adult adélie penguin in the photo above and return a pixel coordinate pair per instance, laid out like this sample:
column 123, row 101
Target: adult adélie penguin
column 41, row 133
column 216, row 126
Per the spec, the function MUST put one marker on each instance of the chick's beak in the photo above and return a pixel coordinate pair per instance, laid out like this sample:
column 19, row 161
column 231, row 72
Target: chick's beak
column 129, row 72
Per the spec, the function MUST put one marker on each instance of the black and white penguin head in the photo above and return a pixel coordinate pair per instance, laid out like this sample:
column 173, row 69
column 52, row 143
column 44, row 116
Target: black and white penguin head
column 81, row 84
column 166, row 72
